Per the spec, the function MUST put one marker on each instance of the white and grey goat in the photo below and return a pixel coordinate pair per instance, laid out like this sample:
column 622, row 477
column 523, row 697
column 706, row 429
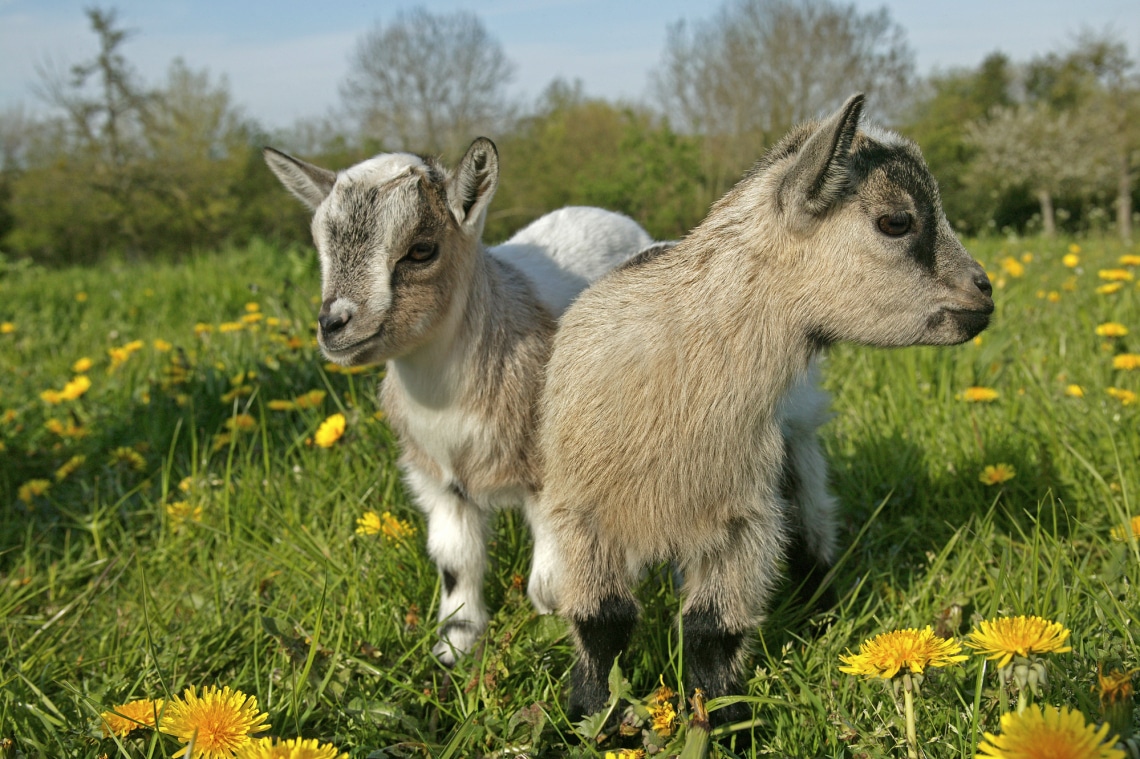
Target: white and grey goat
column 660, row 429
column 465, row 332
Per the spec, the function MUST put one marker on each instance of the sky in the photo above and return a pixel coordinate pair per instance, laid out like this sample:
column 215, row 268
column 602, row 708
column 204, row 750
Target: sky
column 285, row 60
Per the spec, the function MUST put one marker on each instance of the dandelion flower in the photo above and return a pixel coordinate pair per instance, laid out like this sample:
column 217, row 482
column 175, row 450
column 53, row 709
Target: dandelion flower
column 82, row 365
column 252, row 307
column 1126, row 361
column 121, row 720
column 296, row 748
column 978, row 394
column 995, row 474
column 241, row 423
column 1126, row 397
column 1075, row 391
column 81, row 297
column 1006, row 637
column 252, row 318
column 33, row 489
column 885, row 655
column 394, row 530
column 1115, row 686
column 1110, row 288
column 128, row 456
column 1115, row 275
column 182, row 511
column 1111, row 329
column 69, row 467
column 1074, row 248
column 280, row 405
column 311, row 399
column 1071, row 260
column 330, row 431
column 201, row 328
column 219, row 722
column 75, row 388
column 1129, row 259
column 1053, row 296
column 162, row 346
column 1119, row 533
column 1012, row 266
column 1047, row 732
column 230, row 327
column 7, row 328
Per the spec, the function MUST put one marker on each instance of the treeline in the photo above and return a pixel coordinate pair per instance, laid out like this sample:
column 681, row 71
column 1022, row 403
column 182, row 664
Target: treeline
column 141, row 169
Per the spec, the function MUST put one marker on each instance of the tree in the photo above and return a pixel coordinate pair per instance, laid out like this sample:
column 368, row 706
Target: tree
column 744, row 77
column 1046, row 150
column 428, row 82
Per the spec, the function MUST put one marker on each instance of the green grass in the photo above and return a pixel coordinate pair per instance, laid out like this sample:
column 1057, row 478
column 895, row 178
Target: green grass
column 105, row 597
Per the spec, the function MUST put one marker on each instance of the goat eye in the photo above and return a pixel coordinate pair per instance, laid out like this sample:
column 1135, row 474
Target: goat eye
column 421, row 252
column 895, row 224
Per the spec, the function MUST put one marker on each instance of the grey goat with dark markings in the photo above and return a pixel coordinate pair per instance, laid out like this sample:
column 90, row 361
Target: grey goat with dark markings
column 660, row 434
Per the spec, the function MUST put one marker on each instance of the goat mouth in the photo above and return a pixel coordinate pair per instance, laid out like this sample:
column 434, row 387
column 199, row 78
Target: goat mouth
column 344, row 354
column 971, row 321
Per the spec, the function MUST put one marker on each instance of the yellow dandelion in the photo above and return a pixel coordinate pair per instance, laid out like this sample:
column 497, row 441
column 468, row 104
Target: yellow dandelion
column 128, row 456
column 663, row 717
column 75, row 388
column 69, row 467
column 241, row 423
column 296, row 748
column 162, row 346
column 1012, row 266
column 1119, row 533
column 279, row 405
column 33, row 489
column 1053, row 296
column 1129, row 259
column 311, row 399
column 1110, row 288
column 252, row 318
column 121, row 720
column 1116, row 685
column 272, row 321
column 1006, row 637
column 625, row 753
column 1115, row 275
column 1075, row 391
column 915, row 650
column 230, row 327
column 182, row 511
column 7, row 328
column 241, row 391
column 252, row 308
column 54, row 426
column 1027, row 257
column 294, row 343
column 201, row 328
column 1126, row 397
column 978, row 395
column 1047, row 732
column 330, row 431
column 219, row 722
column 221, row 440
column 1127, row 361
column 82, row 365
column 995, row 474
column 1069, row 285
column 1074, row 248
column 395, row 530
column 81, row 297
column 1111, row 329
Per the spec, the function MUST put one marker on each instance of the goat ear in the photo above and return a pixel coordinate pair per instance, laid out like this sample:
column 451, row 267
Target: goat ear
column 473, row 184
column 818, row 178
column 310, row 183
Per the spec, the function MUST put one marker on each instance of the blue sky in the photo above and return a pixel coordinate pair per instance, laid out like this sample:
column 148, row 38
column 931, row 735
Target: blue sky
column 285, row 60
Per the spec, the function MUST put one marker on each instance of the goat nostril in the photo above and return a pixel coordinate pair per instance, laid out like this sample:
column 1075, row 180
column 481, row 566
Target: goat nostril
column 982, row 282
column 331, row 324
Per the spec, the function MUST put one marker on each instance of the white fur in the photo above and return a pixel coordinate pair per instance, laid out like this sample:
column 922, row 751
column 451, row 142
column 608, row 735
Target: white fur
column 565, row 250
column 384, row 168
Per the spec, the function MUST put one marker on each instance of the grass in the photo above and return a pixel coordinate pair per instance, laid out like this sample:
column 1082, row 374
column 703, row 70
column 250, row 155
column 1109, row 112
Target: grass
column 113, row 588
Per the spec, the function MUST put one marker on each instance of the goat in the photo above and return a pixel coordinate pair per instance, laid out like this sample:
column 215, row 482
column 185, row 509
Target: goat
column 465, row 332
column 660, row 429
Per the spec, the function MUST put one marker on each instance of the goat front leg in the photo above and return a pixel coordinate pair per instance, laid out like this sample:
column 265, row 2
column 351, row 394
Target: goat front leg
column 457, row 543
column 545, row 567
column 725, row 596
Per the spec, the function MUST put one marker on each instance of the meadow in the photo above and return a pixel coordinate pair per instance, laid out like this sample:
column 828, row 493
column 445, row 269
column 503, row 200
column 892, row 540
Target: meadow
column 191, row 496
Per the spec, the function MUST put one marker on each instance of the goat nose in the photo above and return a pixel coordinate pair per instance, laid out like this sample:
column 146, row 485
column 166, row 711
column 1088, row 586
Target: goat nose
column 332, row 321
column 982, row 282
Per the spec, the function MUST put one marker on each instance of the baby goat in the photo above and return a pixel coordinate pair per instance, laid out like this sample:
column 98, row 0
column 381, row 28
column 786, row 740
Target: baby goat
column 661, row 416
column 465, row 333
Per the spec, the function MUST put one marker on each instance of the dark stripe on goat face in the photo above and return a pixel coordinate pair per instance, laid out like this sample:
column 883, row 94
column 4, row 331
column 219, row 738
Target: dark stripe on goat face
column 600, row 638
